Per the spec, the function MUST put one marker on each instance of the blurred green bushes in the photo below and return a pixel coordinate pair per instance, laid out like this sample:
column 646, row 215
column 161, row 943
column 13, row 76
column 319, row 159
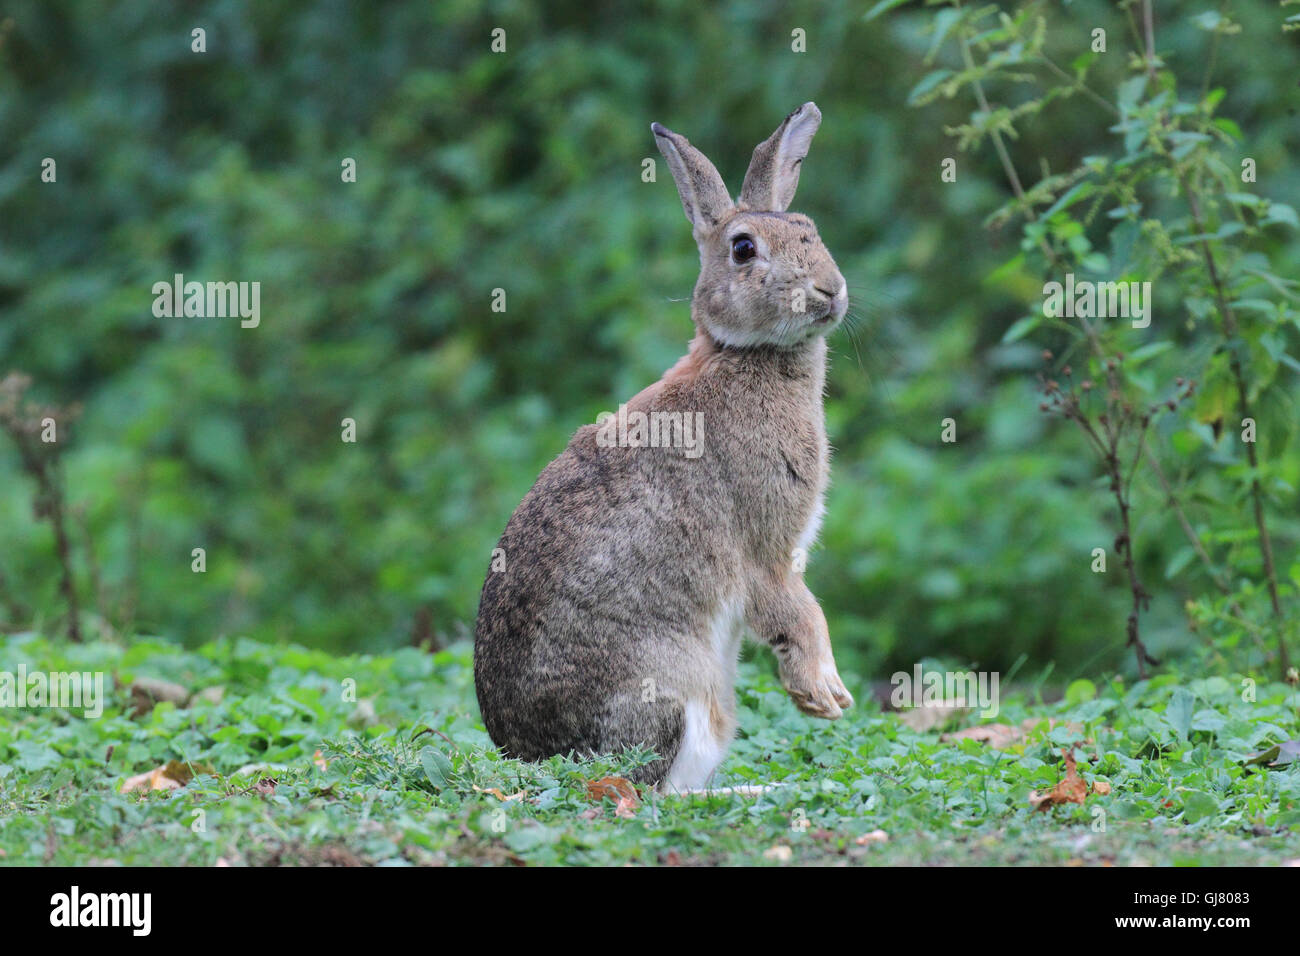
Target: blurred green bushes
column 522, row 171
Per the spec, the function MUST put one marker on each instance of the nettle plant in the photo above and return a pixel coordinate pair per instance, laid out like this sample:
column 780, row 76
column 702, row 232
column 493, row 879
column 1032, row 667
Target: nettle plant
column 1168, row 202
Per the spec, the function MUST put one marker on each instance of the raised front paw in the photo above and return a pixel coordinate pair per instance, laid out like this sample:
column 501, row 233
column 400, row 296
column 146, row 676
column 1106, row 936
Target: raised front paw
column 816, row 689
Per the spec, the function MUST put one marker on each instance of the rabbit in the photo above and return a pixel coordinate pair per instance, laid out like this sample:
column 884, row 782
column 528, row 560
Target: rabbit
column 632, row 568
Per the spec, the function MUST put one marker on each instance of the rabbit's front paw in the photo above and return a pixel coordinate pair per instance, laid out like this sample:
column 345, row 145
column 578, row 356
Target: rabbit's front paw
column 816, row 688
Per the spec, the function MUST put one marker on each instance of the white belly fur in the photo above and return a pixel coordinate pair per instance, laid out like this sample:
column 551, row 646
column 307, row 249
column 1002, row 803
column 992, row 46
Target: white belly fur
column 814, row 525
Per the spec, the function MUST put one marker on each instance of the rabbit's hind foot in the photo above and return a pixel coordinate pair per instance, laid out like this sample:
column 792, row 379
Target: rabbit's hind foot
column 745, row 790
column 702, row 749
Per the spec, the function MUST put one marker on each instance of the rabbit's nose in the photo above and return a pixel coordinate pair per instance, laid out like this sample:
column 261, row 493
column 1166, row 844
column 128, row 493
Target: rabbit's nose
column 830, row 284
column 838, row 295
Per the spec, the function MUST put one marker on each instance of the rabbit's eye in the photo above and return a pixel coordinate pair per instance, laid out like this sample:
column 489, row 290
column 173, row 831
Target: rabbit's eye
column 743, row 249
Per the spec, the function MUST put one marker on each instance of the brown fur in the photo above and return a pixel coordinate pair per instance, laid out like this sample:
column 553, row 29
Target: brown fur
column 621, row 561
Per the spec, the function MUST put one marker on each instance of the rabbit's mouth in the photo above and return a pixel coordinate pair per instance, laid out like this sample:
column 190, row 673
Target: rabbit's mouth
column 835, row 305
column 835, row 309
column 821, row 326
column 824, row 327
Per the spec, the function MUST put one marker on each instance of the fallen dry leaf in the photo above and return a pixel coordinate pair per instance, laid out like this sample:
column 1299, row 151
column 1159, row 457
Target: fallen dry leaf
column 170, row 776
column 997, row 736
column 929, row 716
column 1278, row 755
column 501, row 796
column 621, row 791
column 1070, row 790
column 1005, row 736
column 1100, row 788
column 148, row 691
column 363, row 715
column 210, row 695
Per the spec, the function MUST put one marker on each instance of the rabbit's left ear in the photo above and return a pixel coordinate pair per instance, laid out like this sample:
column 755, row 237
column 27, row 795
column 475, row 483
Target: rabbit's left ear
column 702, row 191
column 773, row 173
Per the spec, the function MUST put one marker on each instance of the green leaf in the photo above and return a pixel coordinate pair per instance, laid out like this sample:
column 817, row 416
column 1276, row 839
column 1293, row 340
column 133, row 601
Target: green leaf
column 1229, row 127
column 1281, row 212
column 1180, row 560
column 1080, row 691
column 1078, row 193
column 1147, row 352
column 944, row 21
column 1198, row 805
column 1022, row 327
column 1131, row 90
column 928, row 82
column 1179, row 712
column 884, row 6
column 436, row 766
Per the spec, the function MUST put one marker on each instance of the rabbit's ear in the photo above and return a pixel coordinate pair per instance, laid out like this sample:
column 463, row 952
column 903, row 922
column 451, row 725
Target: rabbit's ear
column 773, row 173
column 704, row 194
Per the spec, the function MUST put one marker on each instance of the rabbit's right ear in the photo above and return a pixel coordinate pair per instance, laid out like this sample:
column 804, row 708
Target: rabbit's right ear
column 704, row 194
column 773, row 173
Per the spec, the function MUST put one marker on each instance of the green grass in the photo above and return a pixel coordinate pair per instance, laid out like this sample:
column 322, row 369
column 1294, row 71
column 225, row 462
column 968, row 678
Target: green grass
column 411, row 772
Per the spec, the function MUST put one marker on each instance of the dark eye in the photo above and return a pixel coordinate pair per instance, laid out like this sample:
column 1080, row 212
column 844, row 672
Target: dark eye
column 743, row 249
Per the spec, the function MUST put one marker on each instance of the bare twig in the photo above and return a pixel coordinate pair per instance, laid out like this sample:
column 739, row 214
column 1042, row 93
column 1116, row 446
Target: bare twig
column 25, row 423
column 1112, row 428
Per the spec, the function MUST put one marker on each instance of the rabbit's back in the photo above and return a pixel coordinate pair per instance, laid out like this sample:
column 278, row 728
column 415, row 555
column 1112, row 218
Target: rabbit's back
column 593, row 624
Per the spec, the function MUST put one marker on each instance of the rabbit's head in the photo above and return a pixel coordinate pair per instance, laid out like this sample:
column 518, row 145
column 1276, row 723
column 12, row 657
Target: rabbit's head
column 765, row 277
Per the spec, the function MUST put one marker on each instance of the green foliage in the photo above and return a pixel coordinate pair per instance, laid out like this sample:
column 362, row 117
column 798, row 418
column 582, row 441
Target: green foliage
column 1171, row 200
column 522, row 171
column 288, row 769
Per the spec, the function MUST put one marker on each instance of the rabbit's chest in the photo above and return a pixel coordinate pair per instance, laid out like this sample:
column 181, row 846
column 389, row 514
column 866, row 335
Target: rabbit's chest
column 782, row 492
column 801, row 448
column 805, row 457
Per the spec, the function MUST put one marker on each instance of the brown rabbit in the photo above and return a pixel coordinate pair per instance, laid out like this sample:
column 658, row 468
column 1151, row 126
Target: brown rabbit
column 640, row 554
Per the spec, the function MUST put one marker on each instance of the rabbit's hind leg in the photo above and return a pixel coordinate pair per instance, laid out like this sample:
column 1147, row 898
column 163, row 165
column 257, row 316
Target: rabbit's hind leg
column 710, row 718
column 659, row 725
